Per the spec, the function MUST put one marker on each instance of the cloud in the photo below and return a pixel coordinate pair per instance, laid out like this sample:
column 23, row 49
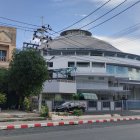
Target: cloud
column 127, row 45
column 81, row 15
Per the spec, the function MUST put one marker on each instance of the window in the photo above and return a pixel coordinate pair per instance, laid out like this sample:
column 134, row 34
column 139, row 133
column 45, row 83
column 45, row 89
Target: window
column 68, row 53
column 121, row 55
column 114, row 69
column 50, row 64
column 3, row 55
column 121, row 70
column 110, row 69
column 96, row 54
column 71, row 64
column 101, row 78
column 90, row 78
column 83, row 64
column 137, row 70
column 131, row 56
column 130, row 69
column 98, row 64
column 82, row 53
column 54, row 52
column 109, row 54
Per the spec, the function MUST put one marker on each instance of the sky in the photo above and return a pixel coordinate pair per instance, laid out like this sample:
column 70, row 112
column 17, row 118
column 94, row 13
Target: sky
column 59, row 14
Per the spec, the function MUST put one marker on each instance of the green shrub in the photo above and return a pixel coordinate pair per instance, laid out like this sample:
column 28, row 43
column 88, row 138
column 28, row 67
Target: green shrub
column 27, row 104
column 2, row 98
column 77, row 112
column 44, row 111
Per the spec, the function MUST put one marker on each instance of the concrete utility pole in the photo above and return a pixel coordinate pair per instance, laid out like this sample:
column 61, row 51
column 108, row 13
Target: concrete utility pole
column 42, row 34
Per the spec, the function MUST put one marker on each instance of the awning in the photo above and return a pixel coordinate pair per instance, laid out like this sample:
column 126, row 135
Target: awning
column 89, row 96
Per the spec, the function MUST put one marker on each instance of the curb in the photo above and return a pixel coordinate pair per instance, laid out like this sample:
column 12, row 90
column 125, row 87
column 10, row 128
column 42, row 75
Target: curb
column 62, row 123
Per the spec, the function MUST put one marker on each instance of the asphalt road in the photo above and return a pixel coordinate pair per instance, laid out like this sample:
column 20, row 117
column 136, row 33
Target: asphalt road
column 106, row 131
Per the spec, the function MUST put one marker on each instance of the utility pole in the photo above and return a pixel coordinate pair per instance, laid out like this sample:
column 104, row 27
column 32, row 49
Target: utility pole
column 42, row 34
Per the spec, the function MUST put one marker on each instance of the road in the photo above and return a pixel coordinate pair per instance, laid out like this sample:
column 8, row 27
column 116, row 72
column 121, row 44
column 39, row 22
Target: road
column 114, row 131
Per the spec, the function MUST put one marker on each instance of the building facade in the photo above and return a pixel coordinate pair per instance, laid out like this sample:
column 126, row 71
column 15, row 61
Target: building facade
column 84, row 64
column 7, row 45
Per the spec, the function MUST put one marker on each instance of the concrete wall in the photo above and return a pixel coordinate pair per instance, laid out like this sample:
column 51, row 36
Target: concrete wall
column 83, row 82
column 93, row 85
column 55, row 86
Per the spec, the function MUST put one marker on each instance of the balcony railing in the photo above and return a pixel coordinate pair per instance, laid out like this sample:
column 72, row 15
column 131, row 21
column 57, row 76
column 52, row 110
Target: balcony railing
column 3, row 59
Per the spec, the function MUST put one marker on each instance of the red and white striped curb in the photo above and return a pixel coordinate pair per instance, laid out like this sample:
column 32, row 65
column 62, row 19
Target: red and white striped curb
column 62, row 123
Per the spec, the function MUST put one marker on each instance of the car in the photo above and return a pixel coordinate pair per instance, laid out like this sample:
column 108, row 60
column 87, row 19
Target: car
column 70, row 106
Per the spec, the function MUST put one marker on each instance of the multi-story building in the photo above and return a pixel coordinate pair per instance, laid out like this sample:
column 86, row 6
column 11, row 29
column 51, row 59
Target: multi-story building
column 7, row 45
column 82, row 63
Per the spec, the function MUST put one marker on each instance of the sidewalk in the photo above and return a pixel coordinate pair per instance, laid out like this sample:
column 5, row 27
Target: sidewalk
column 15, row 115
column 58, row 120
column 48, row 123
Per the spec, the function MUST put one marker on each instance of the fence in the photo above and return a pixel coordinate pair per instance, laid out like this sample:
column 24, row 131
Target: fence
column 132, row 104
column 92, row 105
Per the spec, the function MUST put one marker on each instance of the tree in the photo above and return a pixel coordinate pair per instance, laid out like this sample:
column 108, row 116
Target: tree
column 27, row 73
column 3, row 86
column 3, row 80
column 78, row 96
column 2, row 98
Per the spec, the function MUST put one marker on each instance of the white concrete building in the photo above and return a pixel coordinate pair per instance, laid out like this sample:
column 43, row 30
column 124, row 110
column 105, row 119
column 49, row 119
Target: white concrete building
column 91, row 66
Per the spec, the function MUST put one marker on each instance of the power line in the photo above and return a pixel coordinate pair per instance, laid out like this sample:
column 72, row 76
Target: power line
column 118, row 13
column 90, row 22
column 13, row 20
column 115, row 15
column 127, row 30
column 131, row 39
column 17, row 27
column 84, row 17
column 100, row 17
column 104, row 14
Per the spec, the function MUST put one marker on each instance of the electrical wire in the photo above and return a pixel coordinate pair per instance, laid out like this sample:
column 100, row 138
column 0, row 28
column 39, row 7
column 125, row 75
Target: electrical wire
column 13, row 20
column 85, row 16
column 127, row 30
column 16, row 25
column 98, row 17
column 23, row 29
column 104, row 14
column 115, row 15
